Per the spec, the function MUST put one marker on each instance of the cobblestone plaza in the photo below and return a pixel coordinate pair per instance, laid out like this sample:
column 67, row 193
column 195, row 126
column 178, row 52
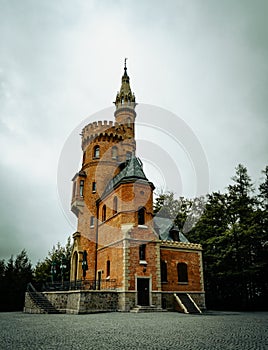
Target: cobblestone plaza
column 166, row 330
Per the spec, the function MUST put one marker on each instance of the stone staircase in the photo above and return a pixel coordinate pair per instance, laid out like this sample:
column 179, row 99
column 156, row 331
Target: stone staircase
column 40, row 302
column 43, row 303
column 187, row 304
column 151, row 308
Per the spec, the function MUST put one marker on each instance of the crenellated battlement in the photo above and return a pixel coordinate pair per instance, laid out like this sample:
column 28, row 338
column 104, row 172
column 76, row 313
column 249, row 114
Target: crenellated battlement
column 101, row 128
column 97, row 127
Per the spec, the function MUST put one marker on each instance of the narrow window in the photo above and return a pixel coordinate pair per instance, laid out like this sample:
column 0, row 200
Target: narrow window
column 84, row 157
column 114, row 152
column 81, row 191
column 142, row 250
column 108, row 268
column 182, row 272
column 74, row 189
column 141, row 216
column 128, row 155
column 92, row 221
column 94, row 187
column 128, row 122
column 115, row 204
column 104, row 213
column 96, row 153
column 163, row 271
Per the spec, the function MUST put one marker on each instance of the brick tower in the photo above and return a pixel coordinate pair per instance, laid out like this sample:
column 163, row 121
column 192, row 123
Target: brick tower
column 118, row 242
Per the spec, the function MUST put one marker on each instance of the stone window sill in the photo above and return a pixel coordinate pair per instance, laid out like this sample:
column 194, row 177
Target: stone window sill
column 143, row 262
column 142, row 226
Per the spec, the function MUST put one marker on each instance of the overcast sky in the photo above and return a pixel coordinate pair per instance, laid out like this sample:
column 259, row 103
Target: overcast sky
column 62, row 61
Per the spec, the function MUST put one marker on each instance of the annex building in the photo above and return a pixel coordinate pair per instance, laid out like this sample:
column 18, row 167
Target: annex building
column 119, row 244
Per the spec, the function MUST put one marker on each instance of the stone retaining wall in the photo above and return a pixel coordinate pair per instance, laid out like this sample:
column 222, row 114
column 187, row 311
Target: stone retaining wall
column 83, row 302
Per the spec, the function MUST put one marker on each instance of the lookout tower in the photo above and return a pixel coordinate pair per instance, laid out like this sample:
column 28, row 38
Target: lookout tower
column 118, row 242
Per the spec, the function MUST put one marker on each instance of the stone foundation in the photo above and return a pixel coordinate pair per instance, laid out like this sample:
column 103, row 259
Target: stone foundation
column 84, row 302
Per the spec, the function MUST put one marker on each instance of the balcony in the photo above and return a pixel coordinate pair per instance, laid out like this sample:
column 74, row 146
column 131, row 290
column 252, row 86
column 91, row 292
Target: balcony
column 77, row 205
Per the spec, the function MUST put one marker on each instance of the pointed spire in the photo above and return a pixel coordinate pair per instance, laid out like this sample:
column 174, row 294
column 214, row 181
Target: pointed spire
column 125, row 97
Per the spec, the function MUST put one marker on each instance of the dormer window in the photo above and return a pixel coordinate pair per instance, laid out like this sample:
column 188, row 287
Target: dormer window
column 96, row 152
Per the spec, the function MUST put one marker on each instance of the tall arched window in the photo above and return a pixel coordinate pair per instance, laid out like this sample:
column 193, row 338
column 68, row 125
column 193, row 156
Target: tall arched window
column 141, row 216
column 182, row 272
column 115, row 205
column 163, row 271
column 104, row 213
column 96, row 152
column 128, row 122
column 114, row 152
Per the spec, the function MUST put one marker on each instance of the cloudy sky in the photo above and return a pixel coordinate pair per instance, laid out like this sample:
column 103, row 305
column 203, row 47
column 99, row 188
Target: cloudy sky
column 61, row 61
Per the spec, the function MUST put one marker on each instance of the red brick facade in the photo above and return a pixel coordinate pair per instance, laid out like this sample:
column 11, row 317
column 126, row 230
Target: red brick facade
column 113, row 201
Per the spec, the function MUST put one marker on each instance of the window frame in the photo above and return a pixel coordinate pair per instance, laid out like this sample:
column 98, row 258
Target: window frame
column 96, row 152
column 182, row 272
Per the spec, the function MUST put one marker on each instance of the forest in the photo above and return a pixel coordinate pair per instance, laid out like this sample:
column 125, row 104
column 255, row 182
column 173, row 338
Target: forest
column 232, row 228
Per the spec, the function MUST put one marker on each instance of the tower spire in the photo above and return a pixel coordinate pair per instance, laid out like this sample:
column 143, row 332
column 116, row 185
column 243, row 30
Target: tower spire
column 125, row 97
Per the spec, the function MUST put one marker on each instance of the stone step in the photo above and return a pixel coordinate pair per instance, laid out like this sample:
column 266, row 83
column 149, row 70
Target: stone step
column 151, row 308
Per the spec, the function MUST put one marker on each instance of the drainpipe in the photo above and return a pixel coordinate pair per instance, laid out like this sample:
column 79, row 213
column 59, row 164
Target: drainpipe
column 96, row 245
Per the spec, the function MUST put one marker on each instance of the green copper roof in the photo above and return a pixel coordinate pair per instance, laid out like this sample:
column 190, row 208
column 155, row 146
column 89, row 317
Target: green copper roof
column 131, row 172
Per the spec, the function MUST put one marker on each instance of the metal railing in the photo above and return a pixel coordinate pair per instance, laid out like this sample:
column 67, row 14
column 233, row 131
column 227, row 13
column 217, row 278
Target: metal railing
column 80, row 285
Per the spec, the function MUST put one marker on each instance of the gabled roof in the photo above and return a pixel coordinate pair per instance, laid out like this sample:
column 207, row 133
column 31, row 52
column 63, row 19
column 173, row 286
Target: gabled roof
column 131, row 172
column 165, row 227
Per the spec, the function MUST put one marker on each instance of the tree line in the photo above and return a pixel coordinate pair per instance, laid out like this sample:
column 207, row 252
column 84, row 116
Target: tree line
column 16, row 273
column 231, row 226
column 233, row 230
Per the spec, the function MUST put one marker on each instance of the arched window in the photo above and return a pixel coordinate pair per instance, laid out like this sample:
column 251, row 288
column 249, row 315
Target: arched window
column 96, row 152
column 104, row 213
column 114, row 152
column 115, row 205
column 141, row 216
column 163, row 271
column 182, row 272
column 108, row 268
column 94, row 187
column 128, row 122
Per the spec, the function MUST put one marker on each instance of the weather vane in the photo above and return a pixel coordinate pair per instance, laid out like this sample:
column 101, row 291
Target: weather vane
column 125, row 63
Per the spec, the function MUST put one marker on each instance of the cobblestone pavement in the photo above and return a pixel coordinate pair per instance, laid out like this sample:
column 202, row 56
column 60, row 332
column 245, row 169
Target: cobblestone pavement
column 167, row 330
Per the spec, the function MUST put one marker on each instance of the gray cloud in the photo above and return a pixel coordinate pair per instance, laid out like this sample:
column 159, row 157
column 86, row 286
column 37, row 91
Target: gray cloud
column 62, row 61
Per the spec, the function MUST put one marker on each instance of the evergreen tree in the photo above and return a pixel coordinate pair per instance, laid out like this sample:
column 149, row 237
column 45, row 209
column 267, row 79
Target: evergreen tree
column 55, row 267
column 14, row 278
